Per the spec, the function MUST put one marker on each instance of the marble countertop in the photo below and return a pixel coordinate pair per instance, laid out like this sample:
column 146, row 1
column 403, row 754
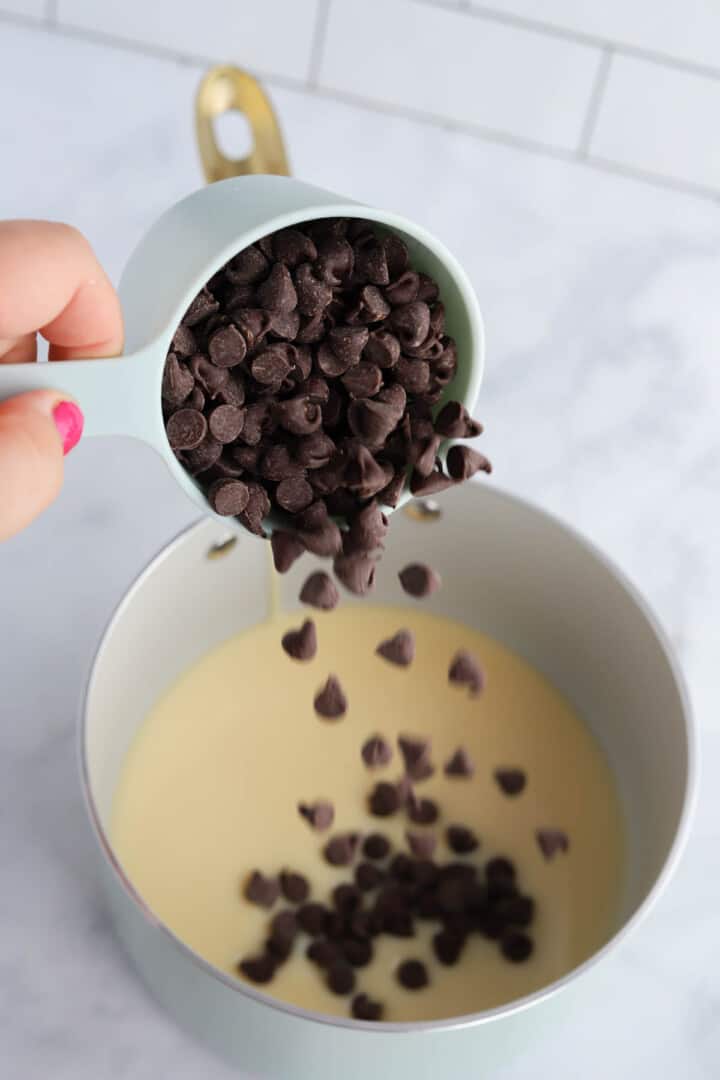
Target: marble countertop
column 601, row 403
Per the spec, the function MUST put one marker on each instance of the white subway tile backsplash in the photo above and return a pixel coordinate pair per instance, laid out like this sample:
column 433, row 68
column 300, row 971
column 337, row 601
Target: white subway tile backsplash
column 269, row 36
column 460, row 67
column 661, row 120
column 687, row 30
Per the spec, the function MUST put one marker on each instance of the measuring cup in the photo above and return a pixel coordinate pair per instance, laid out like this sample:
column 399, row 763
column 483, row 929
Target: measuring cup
column 182, row 251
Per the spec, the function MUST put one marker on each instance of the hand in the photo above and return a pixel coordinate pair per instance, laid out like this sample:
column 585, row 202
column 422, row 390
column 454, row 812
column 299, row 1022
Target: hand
column 52, row 284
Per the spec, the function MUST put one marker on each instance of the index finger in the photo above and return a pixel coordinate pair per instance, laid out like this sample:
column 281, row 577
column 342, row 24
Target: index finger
column 51, row 283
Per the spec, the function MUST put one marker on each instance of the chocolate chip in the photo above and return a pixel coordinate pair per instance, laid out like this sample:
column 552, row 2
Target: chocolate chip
column 363, row 380
column 390, row 496
column 295, row 887
column 299, row 415
column 461, row 840
column 416, row 755
column 422, row 811
column 231, row 393
column 257, row 509
column 413, row 375
column 422, row 845
column 277, row 464
column 279, row 947
column 346, row 898
column 284, row 924
column 257, row 422
column 335, row 261
column 405, row 791
column 228, row 497
column 516, row 910
column 516, row 947
column 318, row 532
column 330, row 701
column 315, row 450
column 454, row 422
column 177, row 382
column 357, row 953
column 464, row 670
column 259, row 969
column 340, row 850
column 371, row 260
column 368, row 876
column 399, row 649
column 184, row 342
column 410, row 322
column 320, row 815
column 382, row 348
column 429, row 485
column 412, row 975
column 366, row 1008
column 460, row 764
column 462, row 462
column 312, row 917
column 277, row 292
column 203, row 456
column 376, row 751
column 404, row 290
column 253, row 324
column 447, row 947
column 293, row 494
column 320, row 591
column 324, row 953
column 341, row 979
column 419, row 580
column 376, row 846
column 383, row 800
column 262, row 890
column 272, row 366
column 364, row 474
column 203, row 305
column 551, row 841
column 186, row 429
column 370, row 307
column 500, row 867
column 511, row 781
column 301, row 644
column 313, row 294
column 372, row 421
column 227, row 347
column 367, row 531
column 286, row 549
column 355, row 572
column 226, row 423
column 291, row 246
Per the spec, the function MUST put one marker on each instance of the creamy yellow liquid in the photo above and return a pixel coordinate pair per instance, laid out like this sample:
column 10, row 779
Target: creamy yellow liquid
column 210, row 788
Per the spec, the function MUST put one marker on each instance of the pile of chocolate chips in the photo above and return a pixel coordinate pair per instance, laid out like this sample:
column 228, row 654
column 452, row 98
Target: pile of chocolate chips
column 304, row 378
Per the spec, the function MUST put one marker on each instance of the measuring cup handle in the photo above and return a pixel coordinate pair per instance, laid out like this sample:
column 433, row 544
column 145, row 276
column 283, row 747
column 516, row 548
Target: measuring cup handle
column 118, row 396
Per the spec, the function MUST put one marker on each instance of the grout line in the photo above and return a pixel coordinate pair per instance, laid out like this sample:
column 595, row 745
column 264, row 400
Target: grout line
column 691, row 67
column 597, row 163
column 51, row 12
column 596, row 95
column 318, row 43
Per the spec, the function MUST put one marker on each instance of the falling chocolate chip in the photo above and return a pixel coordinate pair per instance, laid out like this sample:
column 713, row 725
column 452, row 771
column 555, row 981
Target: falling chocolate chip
column 295, row 887
column 301, row 644
column 366, row 1008
column 460, row 764
column 376, row 752
column 453, row 422
column 422, row 811
column 430, row 485
column 228, row 497
column 319, row 591
column 412, row 975
column 462, row 462
column 511, row 781
column 330, row 701
column 422, row 845
column 384, row 800
column 419, row 580
column 186, row 429
column 341, row 979
column 516, row 947
column 367, row 531
column 399, row 649
column 416, row 755
column 461, row 840
column 320, row 815
column 376, row 846
column 356, row 573
column 262, row 890
column 464, row 670
column 286, row 549
column 551, row 841
column 340, row 850
column 259, row 969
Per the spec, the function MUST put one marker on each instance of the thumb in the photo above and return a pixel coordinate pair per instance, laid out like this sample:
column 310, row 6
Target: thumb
column 36, row 430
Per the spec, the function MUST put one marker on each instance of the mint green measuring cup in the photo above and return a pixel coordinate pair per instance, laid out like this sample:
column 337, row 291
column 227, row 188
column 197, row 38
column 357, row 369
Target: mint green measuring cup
column 177, row 256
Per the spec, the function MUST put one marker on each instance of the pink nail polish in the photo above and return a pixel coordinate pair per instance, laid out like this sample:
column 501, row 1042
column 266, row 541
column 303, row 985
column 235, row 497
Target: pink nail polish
column 69, row 421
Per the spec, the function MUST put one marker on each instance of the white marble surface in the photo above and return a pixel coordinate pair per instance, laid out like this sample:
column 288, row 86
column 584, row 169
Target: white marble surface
column 601, row 403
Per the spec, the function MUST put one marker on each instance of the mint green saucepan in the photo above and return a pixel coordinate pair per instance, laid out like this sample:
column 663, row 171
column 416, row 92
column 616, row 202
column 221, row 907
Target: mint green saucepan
column 178, row 255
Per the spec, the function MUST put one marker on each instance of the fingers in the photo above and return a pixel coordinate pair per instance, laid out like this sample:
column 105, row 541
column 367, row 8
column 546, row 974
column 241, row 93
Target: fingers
column 36, row 430
column 51, row 281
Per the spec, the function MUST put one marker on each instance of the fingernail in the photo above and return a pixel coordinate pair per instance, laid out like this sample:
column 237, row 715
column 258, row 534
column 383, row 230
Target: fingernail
column 69, row 421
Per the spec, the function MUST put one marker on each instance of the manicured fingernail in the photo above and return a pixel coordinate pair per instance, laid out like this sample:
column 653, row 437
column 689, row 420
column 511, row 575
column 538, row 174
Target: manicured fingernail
column 69, row 421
